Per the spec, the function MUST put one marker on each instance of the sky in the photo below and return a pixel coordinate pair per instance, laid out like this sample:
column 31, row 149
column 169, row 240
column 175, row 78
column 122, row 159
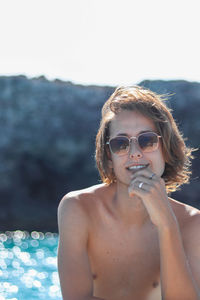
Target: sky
column 100, row 42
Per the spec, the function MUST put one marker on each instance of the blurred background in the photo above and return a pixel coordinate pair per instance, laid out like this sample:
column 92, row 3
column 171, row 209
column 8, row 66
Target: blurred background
column 59, row 62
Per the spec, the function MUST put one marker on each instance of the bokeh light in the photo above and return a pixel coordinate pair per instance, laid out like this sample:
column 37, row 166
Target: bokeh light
column 28, row 266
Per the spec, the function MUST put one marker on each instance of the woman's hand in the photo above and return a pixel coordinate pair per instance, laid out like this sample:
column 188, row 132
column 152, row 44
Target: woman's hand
column 151, row 189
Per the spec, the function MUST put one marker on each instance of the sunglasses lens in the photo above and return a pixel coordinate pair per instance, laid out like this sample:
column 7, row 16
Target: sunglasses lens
column 148, row 142
column 119, row 145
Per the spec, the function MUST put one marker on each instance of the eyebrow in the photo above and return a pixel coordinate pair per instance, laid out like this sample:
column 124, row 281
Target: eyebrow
column 143, row 131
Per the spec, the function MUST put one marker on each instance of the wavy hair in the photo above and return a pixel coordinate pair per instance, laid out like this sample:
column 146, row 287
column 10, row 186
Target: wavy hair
column 176, row 154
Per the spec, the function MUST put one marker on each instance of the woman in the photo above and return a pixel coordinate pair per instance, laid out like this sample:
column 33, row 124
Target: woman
column 126, row 238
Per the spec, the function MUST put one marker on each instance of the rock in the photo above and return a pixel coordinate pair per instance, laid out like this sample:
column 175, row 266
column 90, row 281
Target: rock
column 47, row 143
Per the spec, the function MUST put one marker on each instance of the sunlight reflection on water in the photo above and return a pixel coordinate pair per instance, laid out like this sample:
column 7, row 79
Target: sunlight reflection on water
column 28, row 266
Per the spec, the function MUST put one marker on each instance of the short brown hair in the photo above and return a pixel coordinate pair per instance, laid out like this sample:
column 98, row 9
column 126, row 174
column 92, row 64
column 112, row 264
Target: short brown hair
column 177, row 156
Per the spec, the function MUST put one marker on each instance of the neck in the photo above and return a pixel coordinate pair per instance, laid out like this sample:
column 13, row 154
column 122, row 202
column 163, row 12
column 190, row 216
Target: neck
column 129, row 209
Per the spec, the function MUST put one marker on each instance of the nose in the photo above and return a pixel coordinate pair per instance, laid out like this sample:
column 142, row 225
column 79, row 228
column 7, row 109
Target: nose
column 135, row 151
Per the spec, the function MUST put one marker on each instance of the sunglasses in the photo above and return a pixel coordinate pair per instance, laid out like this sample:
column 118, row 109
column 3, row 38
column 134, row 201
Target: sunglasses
column 147, row 142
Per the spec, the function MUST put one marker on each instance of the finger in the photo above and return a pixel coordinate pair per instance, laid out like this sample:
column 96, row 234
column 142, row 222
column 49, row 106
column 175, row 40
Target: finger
column 143, row 186
column 146, row 171
column 139, row 191
column 142, row 178
column 146, row 174
column 153, row 176
column 137, row 187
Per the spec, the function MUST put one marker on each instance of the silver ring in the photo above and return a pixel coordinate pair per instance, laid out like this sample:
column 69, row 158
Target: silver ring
column 152, row 176
column 140, row 185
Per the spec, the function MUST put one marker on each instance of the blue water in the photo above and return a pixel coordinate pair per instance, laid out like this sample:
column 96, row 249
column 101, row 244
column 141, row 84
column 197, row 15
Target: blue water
column 28, row 266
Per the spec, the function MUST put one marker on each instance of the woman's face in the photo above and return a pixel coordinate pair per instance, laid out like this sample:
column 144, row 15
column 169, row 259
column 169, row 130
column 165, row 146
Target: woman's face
column 131, row 124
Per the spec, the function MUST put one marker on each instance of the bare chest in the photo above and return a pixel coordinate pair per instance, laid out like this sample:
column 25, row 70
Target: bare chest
column 124, row 261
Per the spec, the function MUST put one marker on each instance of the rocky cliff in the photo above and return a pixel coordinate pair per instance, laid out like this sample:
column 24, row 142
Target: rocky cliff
column 47, row 141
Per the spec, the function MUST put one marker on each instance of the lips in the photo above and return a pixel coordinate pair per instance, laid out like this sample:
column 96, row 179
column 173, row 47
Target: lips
column 137, row 167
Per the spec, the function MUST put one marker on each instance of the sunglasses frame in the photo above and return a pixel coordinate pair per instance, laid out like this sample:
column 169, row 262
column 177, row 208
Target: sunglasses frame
column 136, row 139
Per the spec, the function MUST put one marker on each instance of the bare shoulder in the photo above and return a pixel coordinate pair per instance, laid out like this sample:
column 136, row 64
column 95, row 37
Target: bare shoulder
column 188, row 217
column 87, row 192
column 74, row 226
column 81, row 201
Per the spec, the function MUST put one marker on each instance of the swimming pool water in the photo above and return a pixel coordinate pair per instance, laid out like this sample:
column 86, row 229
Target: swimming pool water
column 28, row 266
